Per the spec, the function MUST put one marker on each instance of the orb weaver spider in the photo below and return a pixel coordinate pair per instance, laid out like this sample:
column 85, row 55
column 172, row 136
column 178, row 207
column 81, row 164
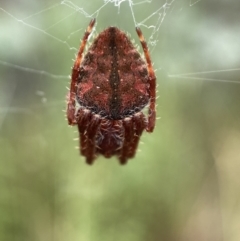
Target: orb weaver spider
column 110, row 87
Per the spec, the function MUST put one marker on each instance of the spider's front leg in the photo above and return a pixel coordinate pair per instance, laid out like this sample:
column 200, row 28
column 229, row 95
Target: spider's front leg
column 133, row 129
column 127, row 142
column 71, row 110
column 140, row 124
column 84, row 117
column 91, row 132
column 88, row 127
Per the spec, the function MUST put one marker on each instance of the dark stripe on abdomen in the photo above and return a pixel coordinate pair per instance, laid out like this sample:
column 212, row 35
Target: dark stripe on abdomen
column 115, row 100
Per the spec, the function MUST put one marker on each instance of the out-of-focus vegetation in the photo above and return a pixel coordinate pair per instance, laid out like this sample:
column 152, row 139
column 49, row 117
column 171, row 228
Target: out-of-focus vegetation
column 184, row 183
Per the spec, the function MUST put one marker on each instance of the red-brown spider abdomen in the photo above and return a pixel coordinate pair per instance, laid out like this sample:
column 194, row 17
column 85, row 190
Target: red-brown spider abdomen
column 113, row 78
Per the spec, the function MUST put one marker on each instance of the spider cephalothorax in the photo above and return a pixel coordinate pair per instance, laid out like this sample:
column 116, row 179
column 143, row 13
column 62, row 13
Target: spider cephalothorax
column 109, row 88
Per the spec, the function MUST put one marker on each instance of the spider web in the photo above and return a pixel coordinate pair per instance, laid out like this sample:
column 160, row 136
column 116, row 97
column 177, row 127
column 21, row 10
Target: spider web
column 65, row 24
column 194, row 45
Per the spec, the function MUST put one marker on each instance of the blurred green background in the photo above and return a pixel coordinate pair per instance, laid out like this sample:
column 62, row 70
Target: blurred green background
column 184, row 182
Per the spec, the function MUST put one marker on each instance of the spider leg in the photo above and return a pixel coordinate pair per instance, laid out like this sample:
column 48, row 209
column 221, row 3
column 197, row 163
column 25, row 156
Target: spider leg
column 88, row 125
column 139, row 121
column 151, row 81
column 75, row 72
column 92, row 131
column 133, row 129
column 84, row 117
column 128, row 137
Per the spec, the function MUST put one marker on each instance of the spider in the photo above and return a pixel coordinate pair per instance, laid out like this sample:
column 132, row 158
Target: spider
column 110, row 86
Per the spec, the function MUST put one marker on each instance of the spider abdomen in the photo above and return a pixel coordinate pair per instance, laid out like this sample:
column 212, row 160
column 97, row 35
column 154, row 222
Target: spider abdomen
column 113, row 78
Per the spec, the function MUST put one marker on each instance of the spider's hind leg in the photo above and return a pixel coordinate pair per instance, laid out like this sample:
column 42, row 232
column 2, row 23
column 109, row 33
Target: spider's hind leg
column 71, row 97
column 152, row 83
